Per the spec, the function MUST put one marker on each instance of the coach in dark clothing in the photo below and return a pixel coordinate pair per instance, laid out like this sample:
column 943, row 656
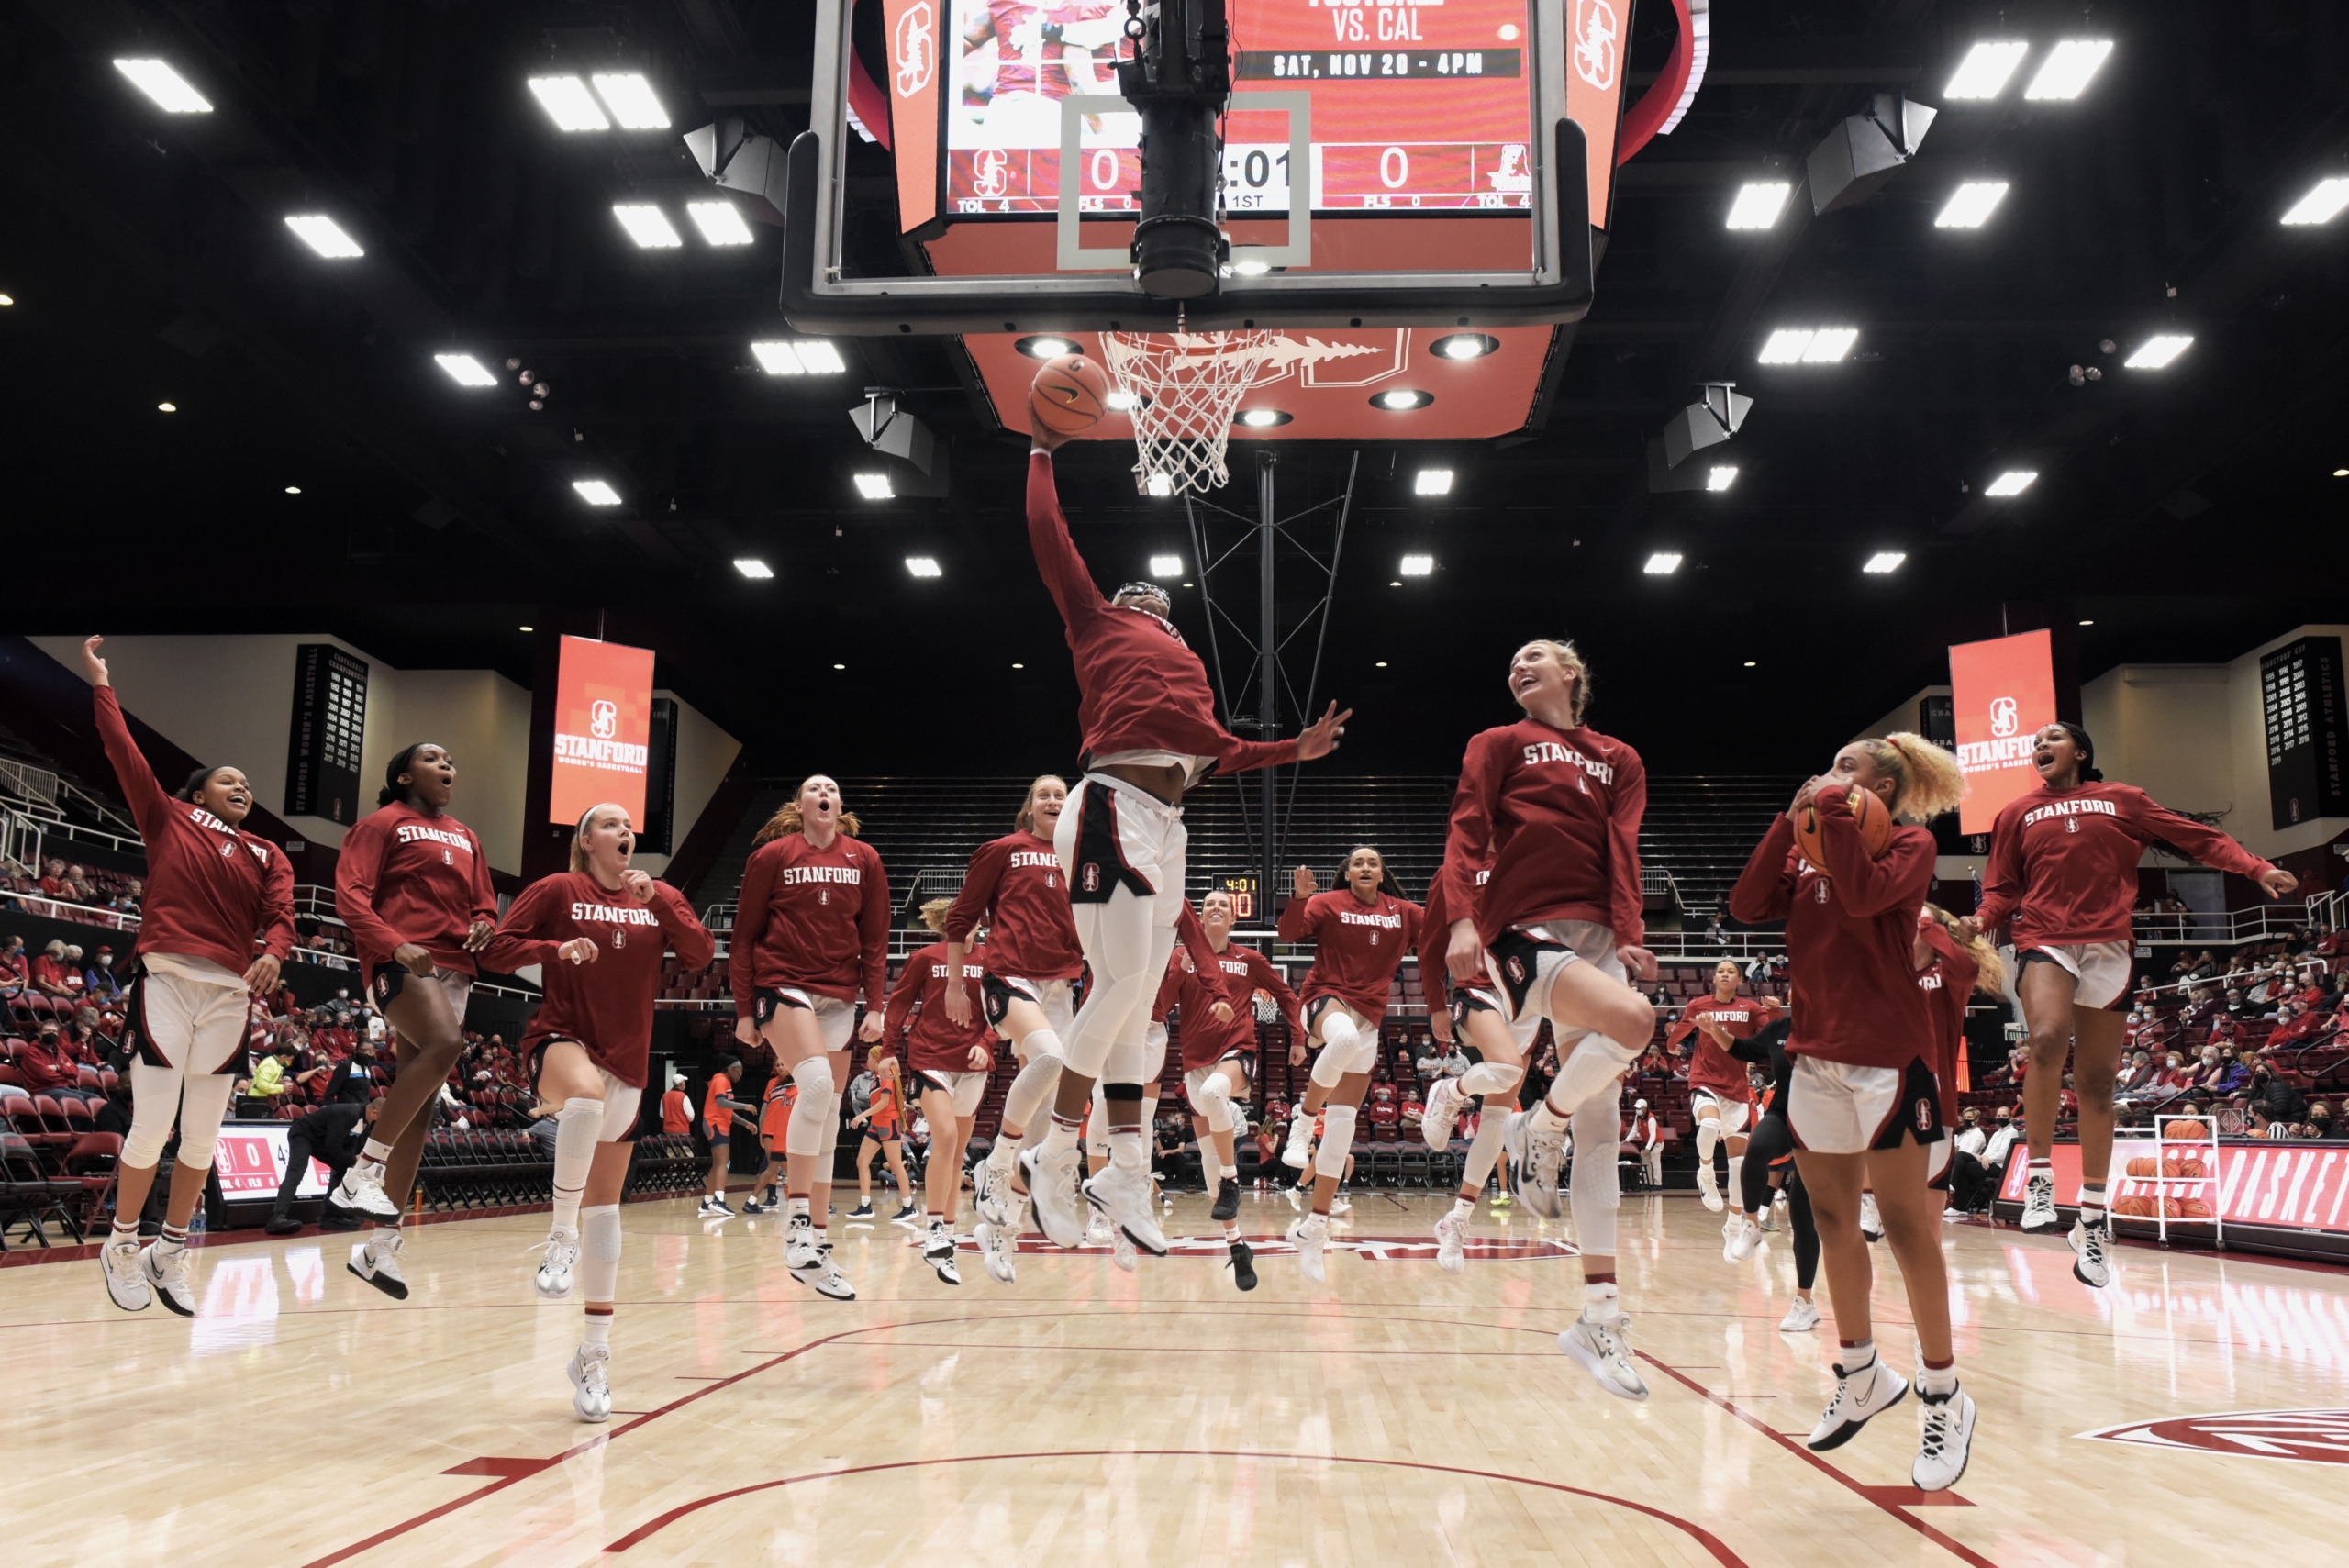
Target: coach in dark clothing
column 334, row 1134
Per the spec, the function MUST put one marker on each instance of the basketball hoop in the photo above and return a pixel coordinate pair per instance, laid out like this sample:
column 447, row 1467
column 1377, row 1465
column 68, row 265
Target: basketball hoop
column 1186, row 386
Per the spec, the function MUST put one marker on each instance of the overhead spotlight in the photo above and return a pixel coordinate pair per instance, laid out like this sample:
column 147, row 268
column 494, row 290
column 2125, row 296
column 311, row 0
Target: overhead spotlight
column 2340, row 473
column 2014, row 481
column 1417, row 566
column 2088, row 623
column 2157, row 351
column 1402, row 400
column 1046, row 347
column 647, row 225
column 325, row 235
column 631, row 100
column 293, row 490
column 1749, row 663
column 525, row 629
column 1720, row 478
column 1758, row 203
column 1983, row 73
column 1159, row 484
column 840, row 666
column 167, row 408
column 1261, row 418
column 1970, row 206
column 1884, row 562
column 720, row 222
column 568, row 102
column 465, row 370
column 1853, row 162
column 1463, row 346
column 1662, row 564
column 1807, row 345
column 874, row 487
column 2322, row 205
column 923, row 566
column 1120, row 401
column 2068, row 69
column 596, row 492
column 1432, row 482
column 809, row 356
column 169, row 90
column 751, row 566
column 1167, row 566
column 6, row 300
column 1713, row 419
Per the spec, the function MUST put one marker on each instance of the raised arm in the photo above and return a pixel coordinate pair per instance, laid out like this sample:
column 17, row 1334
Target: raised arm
column 1766, row 888
column 2204, row 843
column 1066, row 575
column 149, row 803
column 693, row 944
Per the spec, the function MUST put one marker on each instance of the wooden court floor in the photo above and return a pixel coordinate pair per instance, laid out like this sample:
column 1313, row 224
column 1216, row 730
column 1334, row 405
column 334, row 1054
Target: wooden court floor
column 1395, row 1415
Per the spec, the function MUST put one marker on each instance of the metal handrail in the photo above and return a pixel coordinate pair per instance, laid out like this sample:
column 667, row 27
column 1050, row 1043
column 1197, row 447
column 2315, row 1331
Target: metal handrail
column 2225, row 928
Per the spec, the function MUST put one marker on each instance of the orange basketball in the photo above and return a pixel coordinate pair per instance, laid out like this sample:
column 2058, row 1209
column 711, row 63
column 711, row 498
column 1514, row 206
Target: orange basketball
column 1875, row 827
column 2185, row 1129
column 1069, row 395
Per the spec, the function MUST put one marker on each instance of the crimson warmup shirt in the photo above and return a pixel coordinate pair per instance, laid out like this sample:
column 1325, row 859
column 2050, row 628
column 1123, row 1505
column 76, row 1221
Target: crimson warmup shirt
column 407, row 877
column 1016, row 885
column 606, row 1005
column 1946, row 984
column 936, row 1043
column 2064, row 863
column 1710, row 1067
column 1237, row 972
column 213, row 891
column 1142, row 688
column 1556, row 815
column 1849, row 935
column 1357, row 946
column 817, row 919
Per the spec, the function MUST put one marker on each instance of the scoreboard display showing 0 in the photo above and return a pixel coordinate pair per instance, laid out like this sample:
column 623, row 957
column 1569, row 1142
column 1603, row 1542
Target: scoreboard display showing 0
column 1459, row 65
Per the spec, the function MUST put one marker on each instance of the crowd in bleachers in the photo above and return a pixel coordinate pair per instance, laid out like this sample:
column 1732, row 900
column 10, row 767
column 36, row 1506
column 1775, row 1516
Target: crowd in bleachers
column 63, row 891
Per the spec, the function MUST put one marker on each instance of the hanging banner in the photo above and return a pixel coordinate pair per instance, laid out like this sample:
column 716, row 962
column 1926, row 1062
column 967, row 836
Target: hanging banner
column 2004, row 692
column 917, row 88
column 603, row 729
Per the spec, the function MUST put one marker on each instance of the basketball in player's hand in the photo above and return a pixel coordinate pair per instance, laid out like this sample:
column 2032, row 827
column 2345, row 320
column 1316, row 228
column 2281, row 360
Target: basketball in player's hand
column 1867, row 810
column 1069, row 395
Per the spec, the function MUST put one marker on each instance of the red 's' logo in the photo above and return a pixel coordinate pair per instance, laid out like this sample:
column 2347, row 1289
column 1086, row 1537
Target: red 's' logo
column 1092, row 877
column 2308, row 1437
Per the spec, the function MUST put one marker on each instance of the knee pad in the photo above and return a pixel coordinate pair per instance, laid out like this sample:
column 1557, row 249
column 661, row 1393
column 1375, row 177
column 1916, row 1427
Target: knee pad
column 1709, row 1133
column 1595, row 1063
column 599, row 1252
column 813, row 1114
column 1101, row 1023
column 1337, row 1142
column 197, row 1143
column 1490, row 1078
column 831, row 1137
column 1040, row 1045
column 1598, row 1189
column 1128, row 1061
column 1339, row 1045
column 1153, row 1060
column 154, row 1102
column 1214, row 1103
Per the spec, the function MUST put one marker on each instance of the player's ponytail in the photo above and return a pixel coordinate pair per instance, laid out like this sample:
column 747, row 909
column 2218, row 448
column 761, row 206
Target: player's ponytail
column 1991, row 978
column 933, row 914
column 788, row 819
column 2088, row 774
column 1926, row 780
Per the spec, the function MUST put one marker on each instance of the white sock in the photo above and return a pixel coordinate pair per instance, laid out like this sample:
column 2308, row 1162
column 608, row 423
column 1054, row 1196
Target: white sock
column 577, row 1127
column 1061, row 1139
column 1937, row 1380
column 795, row 1208
column 1736, row 1167
column 1600, row 1300
column 1125, row 1148
column 375, row 1153
column 1859, row 1357
column 599, row 1331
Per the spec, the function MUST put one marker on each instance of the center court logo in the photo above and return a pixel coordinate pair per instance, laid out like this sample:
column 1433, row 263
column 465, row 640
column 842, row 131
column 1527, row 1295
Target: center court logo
column 2306, row 1437
column 1377, row 1249
column 1595, row 30
column 916, row 49
column 2002, row 718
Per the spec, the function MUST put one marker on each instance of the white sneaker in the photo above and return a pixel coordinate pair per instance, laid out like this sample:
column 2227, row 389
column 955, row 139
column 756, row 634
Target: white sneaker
column 800, row 1249
column 996, row 1246
column 1743, row 1236
column 1294, row 1202
column 168, row 1277
column 1603, row 1346
column 554, row 1269
column 1124, row 1197
column 1122, row 1251
column 1870, row 1391
column 1871, row 1222
column 377, row 1261
column 2039, row 1202
column 1299, row 1148
column 1767, row 1221
column 991, row 1193
column 1799, row 1317
column 1452, row 1241
column 1538, row 1155
column 820, row 1273
column 1443, row 1113
column 1735, row 1223
column 590, row 1371
column 1944, row 1440
column 2093, row 1244
column 1309, row 1236
column 362, row 1188
column 1709, row 1187
column 126, row 1284
column 1051, row 1189
column 938, row 1251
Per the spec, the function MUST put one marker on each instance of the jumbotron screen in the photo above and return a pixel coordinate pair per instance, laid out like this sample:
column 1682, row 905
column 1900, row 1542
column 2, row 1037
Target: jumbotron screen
column 1425, row 106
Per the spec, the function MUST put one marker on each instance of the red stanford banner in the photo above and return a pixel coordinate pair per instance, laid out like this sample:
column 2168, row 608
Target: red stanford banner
column 2297, row 1186
column 603, row 729
column 2004, row 693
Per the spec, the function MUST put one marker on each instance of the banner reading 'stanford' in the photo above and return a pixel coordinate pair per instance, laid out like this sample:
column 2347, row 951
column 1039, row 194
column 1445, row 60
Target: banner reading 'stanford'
column 603, row 728
column 2004, row 693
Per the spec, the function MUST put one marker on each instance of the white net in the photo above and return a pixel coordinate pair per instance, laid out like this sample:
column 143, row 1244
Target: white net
column 1186, row 386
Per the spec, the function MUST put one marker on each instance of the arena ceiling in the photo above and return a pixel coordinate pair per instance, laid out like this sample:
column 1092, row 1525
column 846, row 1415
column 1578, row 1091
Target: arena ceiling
column 2177, row 514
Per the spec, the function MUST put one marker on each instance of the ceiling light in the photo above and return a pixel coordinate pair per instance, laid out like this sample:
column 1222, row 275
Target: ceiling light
column 1167, row 566
column 1418, row 566
column 2014, row 481
column 630, row 99
column 2322, row 205
column 2157, row 351
column 465, row 370
column 1432, row 482
column 1786, row 346
column 1884, row 560
column 1464, row 346
column 751, row 566
column 840, row 666
column 923, row 566
column 1983, row 73
column 1122, row 402
column 568, row 102
column 648, row 226
column 2088, row 623
column 1807, row 345
column 6, row 300
column 163, row 84
column 325, row 235
column 167, row 408
column 1016, row 665
column 719, row 222
column 821, row 357
column 2340, row 473
column 1046, row 348
column 1662, row 564
column 1720, row 478
column 2069, row 68
column 1758, row 202
column 1159, row 484
column 525, row 629
column 874, row 487
column 1261, row 418
column 779, row 358
column 1401, row 400
column 1970, row 206
column 293, row 490
column 1382, row 663
column 809, row 356
column 596, row 492
column 1749, row 663
column 1829, row 345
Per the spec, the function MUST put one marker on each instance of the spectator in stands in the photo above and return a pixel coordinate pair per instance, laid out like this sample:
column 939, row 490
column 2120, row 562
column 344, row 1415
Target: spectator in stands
column 2321, row 1122
column 2299, row 1024
column 102, row 980
column 54, row 882
column 113, row 1113
column 41, row 1062
column 268, row 1080
column 2210, row 1071
column 16, row 968
column 2237, row 1007
column 2140, row 1077
column 2276, row 1093
column 2000, row 1145
column 333, row 1135
column 51, row 977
